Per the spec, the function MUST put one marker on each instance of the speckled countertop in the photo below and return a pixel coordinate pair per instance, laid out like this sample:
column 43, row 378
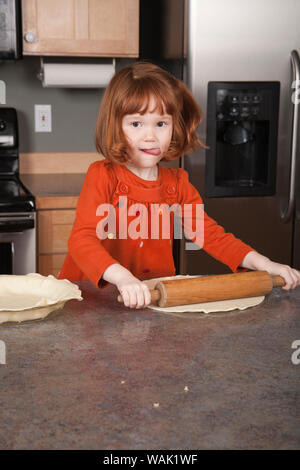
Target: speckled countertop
column 89, row 376
column 60, row 184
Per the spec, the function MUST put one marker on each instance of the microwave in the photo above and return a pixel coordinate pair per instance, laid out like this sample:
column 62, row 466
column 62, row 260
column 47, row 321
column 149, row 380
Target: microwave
column 10, row 30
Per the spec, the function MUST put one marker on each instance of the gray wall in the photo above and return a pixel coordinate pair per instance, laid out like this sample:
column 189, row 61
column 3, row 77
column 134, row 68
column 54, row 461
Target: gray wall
column 74, row 111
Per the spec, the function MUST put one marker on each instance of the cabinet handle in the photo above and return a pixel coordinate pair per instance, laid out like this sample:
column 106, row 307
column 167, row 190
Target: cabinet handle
column 30, row 37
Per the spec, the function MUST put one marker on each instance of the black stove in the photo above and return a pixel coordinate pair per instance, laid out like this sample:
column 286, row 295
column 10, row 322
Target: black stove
column 14, row 196
column 17, row 204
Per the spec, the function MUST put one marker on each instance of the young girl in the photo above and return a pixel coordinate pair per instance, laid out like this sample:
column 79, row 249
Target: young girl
column 146, row 116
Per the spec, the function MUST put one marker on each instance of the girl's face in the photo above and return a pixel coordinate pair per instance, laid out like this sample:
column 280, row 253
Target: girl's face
column 148, row 135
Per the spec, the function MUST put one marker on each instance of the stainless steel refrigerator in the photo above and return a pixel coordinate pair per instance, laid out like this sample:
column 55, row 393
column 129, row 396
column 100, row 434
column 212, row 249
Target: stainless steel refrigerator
column 246, row 43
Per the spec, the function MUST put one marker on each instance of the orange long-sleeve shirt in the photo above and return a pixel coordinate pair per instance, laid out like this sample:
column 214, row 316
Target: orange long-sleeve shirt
column 146, row 257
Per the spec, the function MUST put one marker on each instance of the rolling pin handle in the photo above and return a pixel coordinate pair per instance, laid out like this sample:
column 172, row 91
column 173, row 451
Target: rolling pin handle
column 278, row 281
column 155, row 296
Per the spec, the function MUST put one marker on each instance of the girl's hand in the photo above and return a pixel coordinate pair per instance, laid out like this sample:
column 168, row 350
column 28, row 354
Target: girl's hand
column 256, row 261
column 290, row 275
column 135, row 294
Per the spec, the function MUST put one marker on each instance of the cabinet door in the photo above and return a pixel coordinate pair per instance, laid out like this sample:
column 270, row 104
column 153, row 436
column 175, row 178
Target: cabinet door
column 50, row 264
column 94, row 28
column 54, row 228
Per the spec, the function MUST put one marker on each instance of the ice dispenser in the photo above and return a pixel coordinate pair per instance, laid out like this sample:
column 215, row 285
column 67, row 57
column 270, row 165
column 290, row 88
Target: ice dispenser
column 242, row 126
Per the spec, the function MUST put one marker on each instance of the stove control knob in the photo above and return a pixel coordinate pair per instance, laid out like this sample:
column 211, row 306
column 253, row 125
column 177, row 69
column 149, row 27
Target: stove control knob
column 2, row 125
column 30, row 37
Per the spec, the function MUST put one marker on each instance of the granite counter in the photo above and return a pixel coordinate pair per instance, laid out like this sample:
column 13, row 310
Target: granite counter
column 98, row 375
column 56, row 184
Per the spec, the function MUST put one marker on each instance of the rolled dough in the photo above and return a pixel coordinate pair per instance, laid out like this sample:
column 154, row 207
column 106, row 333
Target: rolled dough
column 33, row 296
column 204, row 307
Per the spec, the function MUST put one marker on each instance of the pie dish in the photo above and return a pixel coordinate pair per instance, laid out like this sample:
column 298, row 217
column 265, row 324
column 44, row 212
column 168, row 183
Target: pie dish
column 33, row 296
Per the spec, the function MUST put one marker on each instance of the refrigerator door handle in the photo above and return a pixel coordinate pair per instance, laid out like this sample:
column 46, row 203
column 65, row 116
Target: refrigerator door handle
column 285, row 215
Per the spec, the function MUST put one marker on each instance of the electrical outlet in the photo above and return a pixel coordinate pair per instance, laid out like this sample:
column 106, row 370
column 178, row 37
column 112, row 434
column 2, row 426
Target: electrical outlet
column 42, row 118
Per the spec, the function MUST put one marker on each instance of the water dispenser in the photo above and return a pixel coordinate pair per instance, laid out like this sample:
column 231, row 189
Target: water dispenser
column 242, row 128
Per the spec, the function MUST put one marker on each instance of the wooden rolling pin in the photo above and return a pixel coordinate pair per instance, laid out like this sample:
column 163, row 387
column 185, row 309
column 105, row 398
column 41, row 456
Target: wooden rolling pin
column 212, row 288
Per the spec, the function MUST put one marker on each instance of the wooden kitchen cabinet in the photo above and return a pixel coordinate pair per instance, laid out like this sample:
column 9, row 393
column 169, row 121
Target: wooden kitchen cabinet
column 54, row 227
column 92, row 28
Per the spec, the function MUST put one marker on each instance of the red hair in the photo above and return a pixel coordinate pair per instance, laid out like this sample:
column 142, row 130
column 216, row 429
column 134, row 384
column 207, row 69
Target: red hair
column 129, row 92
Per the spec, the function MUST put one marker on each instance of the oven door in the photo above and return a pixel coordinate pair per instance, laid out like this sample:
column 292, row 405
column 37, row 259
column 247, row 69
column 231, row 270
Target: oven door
column 17, row 243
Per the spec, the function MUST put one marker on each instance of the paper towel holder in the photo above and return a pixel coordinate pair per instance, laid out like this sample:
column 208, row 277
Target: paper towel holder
column 40, row 74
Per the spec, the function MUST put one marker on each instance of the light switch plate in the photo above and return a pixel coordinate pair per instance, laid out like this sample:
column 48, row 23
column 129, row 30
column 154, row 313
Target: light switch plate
column 42, row 118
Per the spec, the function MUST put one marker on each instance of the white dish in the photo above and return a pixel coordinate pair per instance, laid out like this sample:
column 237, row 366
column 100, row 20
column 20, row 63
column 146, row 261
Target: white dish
column 33, row 296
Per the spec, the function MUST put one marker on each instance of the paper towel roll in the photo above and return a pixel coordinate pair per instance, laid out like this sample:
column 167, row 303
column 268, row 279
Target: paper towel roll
column 77, row 75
